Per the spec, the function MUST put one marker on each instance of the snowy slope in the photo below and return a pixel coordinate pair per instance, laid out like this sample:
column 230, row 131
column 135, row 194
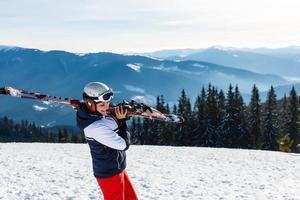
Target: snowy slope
column 63, row 171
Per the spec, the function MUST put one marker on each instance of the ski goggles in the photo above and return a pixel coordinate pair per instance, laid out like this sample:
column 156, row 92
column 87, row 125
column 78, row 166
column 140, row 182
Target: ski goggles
column 104, row 97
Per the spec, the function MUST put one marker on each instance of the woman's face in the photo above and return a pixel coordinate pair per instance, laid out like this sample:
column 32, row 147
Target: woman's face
column 102, row 107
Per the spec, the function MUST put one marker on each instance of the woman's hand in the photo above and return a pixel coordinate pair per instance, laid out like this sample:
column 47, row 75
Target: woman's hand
column 120, row 112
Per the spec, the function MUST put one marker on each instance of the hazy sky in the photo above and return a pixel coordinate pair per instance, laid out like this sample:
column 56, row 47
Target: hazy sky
column 144, row 25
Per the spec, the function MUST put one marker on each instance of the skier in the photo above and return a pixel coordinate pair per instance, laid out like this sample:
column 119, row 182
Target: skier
column 108, row 140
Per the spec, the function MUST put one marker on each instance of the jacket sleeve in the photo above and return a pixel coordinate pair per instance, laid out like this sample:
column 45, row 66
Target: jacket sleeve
column 122, row 132
column 105, row 135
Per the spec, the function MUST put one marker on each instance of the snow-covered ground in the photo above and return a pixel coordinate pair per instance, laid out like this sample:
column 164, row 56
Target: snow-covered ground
column 64, row 171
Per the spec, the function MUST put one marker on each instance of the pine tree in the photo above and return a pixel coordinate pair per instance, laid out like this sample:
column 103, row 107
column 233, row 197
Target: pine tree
column 293, row 127
column 60, row 136
column 23, row 131
column 255, row 119
column 221, row 105
column 133, row 132
column 65, row 136
column 157, row 127
column 221, row 115
column 283, row 118
column 184, row 136
column 34, row 133
column 82, row 138
column 226, row 130
column 241, row 137
column 74, row 138
column 210, row 136
column 47, row 136
column 17, row 132
column 142, row 129
column 270, row 131
column 163, row 134
column 168, row 136
column 201, row 118
column 137, row 134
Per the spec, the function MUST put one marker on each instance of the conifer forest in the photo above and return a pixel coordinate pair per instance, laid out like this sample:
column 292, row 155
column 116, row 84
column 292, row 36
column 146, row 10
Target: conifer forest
column 216, row 118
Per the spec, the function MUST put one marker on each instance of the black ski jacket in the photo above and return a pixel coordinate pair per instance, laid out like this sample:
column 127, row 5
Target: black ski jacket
column 107, row 138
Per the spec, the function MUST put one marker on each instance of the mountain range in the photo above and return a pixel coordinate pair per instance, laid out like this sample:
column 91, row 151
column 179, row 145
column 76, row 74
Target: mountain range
column 281, row 61
column 138, row 77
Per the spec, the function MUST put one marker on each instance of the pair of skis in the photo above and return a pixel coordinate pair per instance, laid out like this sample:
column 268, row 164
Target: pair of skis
column 133, row 108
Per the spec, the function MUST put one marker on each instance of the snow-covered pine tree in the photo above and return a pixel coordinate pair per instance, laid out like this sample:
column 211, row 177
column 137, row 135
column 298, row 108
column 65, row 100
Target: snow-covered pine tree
column 270, row 121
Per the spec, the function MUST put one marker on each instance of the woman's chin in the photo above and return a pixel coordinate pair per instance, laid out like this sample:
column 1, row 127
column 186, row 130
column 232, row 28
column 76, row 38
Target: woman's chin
column 103, row 113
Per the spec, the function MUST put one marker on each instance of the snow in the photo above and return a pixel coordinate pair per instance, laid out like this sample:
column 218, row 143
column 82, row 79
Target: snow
column 153, row 58
column 136, row 67
column 292, row 79
column 81, row 54
column 146, row 99
column 177, row 69
column 46, row 103
column 198, row 65
column 39, row 108
column 222, row 48
column 8, row 48
column 63, row 171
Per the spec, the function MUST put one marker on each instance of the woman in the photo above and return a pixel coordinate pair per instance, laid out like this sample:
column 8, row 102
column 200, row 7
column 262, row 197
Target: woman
column 108, row 140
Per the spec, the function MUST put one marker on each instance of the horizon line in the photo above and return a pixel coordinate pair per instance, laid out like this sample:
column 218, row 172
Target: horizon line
column 2, row 46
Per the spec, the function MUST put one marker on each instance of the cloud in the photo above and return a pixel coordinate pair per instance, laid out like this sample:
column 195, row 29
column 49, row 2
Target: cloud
column 148, row 25
column 134, row 89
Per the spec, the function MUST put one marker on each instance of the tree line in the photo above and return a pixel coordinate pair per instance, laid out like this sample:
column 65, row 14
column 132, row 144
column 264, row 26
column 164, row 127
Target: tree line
column 24, row 131
column 217, row 119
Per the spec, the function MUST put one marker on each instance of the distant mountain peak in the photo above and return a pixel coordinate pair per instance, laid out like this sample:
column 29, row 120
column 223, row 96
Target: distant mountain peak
column 222, row 48
column 7, row 48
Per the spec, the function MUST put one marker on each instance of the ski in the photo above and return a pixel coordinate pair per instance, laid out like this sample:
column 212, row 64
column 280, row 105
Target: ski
column 134, row 109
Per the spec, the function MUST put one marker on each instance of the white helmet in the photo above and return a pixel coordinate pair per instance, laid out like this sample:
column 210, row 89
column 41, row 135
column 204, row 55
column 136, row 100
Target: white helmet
column 97, row 92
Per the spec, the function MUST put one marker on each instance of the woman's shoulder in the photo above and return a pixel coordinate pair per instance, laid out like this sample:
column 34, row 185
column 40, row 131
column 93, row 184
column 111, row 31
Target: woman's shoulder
column 104, row 123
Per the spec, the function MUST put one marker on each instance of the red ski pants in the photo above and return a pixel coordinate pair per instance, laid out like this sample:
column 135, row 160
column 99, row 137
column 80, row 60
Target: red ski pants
column 118, row 187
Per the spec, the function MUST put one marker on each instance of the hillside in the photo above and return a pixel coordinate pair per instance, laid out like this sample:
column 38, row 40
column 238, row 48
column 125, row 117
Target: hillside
column 135, row 77
column 63, row 171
